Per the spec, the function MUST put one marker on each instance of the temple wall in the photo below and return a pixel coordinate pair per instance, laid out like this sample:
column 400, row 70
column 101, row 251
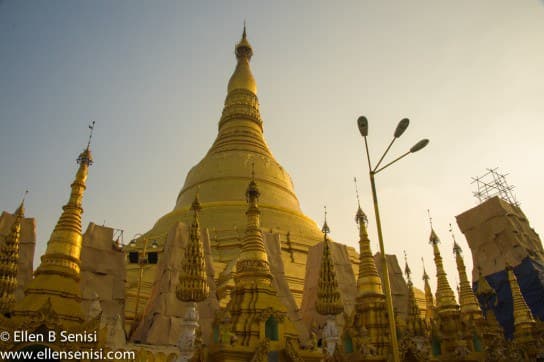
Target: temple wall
column 26, row 248
column 163, row 313
column 102, row 272
column 399, row 289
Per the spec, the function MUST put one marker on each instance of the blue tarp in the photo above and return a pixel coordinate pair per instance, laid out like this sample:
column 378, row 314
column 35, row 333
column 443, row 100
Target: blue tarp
column 530, row 275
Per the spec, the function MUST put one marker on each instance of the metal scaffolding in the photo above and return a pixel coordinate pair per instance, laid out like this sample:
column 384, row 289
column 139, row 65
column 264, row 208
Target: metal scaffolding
column 493, row 184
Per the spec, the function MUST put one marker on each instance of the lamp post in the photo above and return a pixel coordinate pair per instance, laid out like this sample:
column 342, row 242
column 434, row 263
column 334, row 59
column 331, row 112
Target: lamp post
column 362, row 123
column 142, row 261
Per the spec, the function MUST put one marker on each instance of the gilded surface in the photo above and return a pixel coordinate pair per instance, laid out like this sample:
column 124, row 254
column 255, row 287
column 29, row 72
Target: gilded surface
column 9, row 261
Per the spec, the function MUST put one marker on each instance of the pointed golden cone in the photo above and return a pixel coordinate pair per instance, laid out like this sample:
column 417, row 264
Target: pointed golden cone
column 328, row 297
column 253, row 261
column 56, row 280
column 9, row 259
column 254, row 298
column 193, row 280
column 523, row 318
column 445, row 299
column 467, row 299
column 414, row 323
column 429, row 299
column 484, row 291
column 368, row 280
column 486, row 294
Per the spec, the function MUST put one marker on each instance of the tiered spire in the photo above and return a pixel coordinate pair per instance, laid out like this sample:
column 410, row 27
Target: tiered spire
column 414, row 322
column 328, row 297
column 9, row 259
column 487, row 295
column 467, row 299
column 241, row 125
column 56, row 280
column 445, row 299
column 429, row 299
column 368, row 280
column 484, row 291
column 193, row 281
column 523, row 318
column 254, row 299
column 253, row 260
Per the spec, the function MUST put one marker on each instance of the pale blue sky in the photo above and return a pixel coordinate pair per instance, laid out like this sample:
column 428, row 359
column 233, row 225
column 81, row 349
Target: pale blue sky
column 153, row 76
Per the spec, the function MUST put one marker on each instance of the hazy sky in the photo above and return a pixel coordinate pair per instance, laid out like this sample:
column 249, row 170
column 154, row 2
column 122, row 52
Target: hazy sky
column 153, row 75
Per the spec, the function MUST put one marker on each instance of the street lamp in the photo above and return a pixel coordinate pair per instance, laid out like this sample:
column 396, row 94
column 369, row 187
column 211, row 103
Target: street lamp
column 362, row 123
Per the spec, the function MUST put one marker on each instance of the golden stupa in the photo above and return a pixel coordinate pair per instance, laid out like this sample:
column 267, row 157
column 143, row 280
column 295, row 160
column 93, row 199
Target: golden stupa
column 236, row 272
column 221, row 178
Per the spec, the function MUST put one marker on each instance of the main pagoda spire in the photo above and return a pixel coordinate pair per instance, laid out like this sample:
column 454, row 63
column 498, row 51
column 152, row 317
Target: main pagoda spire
column 241, row 125
column 56, row 280
column 9, row 260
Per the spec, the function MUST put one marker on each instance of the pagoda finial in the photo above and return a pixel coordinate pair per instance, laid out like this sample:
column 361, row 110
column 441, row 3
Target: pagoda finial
column 433, row 239
column 360, row 216
column 91, row 127
column 357, row 192
column 325, row 229
column 407, row 270
column 456, row 248
column 86, row 156
column 425, row 275
column 193, row 280
column 252, row 192
column 9, row 261
column 21, row 208
column 242, row 79
column 328, row 297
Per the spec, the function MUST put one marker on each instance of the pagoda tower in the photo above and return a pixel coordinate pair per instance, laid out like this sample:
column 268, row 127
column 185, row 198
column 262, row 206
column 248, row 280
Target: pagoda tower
column 524, row 322
column 414, row 343
column 193, row 286
column 369, row 329
column 328, row 301
column 256, row 316
column 52, row 300
column 470, row 308
column 471, row 314
column 415, row 325
column 449, row 334
column 221, row 177
column 9, row 258
column 491, row 330
column 429, row 299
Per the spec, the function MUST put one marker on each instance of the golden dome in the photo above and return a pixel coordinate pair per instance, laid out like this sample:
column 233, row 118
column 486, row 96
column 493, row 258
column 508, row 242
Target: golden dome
column 223, row 174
